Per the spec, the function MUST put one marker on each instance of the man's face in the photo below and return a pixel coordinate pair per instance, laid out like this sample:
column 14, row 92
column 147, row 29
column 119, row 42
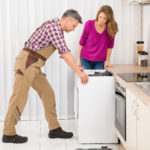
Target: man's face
column 70, row 24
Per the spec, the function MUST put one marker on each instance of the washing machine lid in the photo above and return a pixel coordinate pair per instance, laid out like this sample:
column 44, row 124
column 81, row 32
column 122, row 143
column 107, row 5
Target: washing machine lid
column 102, row 148
column 94, row 73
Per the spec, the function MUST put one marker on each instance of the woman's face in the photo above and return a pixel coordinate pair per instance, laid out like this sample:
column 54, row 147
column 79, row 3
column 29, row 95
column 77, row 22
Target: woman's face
column 102, row 19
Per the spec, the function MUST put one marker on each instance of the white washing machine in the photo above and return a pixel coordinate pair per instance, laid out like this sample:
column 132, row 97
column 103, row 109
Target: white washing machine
column 96, row 108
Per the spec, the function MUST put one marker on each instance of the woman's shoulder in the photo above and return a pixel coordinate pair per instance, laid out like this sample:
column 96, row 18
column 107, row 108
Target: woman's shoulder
column 89, row 22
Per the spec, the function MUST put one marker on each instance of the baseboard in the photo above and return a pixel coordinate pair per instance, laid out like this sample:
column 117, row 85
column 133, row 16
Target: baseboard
column 65, row 117
column 2, row 119
column 35, row 118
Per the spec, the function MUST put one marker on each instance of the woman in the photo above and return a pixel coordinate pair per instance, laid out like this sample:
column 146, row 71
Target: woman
column 97, row 40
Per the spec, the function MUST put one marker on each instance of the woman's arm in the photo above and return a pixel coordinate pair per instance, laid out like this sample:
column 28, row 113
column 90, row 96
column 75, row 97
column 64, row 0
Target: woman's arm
column 79, row 55
column 79, row 58
column 82, row 42
column 107, row 62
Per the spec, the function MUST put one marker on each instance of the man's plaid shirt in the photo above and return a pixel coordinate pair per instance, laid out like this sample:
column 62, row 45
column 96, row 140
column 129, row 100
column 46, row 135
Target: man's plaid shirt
column 50, row 33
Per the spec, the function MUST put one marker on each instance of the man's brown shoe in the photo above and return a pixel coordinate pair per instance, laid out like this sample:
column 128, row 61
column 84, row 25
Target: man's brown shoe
column 59, row 133
column 14, row 139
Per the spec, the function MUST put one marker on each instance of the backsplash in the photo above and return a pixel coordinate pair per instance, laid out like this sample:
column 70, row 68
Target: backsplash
column 146, row 29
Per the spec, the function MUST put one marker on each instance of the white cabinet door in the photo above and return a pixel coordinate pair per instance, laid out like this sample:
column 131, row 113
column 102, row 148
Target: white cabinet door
column 130, row 121
column 143, row 126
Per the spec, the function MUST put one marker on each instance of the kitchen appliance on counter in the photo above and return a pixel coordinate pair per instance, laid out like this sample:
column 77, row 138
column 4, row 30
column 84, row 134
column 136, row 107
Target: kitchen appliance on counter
column 143, row 58
column 120, row 109
column 135, row 77
column 140, row 46
column 96, row 114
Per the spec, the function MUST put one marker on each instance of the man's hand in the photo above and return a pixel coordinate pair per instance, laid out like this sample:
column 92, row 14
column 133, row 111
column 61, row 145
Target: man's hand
column 67, row 56
column 83, row 77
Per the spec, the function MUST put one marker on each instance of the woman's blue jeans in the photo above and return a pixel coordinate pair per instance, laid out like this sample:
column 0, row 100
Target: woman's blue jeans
column 91, row 64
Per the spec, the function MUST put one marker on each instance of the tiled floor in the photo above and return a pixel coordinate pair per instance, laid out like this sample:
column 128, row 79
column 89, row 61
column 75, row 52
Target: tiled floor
column 37, row 133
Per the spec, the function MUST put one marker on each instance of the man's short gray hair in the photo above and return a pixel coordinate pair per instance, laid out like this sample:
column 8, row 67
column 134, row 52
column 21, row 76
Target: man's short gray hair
column 73, row 14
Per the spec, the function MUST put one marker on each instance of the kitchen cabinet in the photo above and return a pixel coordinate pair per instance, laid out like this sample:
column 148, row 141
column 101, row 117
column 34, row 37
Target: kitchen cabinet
column 137, row 123
column 138, row 1
column 130, row 121
column 143, row 126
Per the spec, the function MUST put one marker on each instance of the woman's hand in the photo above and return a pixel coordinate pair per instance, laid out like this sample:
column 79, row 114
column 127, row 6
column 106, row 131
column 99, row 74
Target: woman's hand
column 108, row 65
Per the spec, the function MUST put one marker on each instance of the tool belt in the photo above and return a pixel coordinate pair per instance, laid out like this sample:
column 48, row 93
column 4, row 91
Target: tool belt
column 32, row 57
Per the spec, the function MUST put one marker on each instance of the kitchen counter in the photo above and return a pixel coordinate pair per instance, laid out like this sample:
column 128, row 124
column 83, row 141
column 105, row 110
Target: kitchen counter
column 130, row 68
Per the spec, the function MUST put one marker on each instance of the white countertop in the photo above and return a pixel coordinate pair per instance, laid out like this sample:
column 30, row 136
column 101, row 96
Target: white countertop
column 130, row 68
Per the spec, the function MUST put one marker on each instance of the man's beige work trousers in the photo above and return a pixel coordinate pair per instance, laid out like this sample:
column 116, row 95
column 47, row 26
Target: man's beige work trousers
column 28, row 74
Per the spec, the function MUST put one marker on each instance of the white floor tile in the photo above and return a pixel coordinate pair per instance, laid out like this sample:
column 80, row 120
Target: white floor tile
column 37, row 133
column 72, row 145
column 4, row 146
column 27, row 146
column 31, row 129
column 56, row 145
column 71, row 126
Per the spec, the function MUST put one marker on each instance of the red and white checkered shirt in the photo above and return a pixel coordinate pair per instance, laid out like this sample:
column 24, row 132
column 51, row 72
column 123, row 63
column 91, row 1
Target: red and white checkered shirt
column 50, row 33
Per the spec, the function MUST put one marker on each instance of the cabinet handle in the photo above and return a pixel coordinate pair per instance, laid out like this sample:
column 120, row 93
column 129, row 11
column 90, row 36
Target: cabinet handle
column 137, row 105
column 134, row 111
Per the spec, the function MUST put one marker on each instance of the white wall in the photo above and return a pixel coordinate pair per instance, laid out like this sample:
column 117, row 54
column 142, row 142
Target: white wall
column 19, row 18
column 146, row 28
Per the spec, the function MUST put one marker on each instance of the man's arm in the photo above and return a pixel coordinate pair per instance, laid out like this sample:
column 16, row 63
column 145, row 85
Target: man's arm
column 67, row 56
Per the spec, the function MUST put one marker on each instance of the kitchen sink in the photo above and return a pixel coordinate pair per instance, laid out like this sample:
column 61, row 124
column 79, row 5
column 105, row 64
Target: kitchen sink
column 145, row 86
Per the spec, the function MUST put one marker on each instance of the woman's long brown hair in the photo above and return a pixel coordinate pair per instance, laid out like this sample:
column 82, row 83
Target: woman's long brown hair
column 112, row 26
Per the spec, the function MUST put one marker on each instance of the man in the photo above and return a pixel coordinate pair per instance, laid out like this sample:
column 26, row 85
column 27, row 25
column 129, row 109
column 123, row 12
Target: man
column 38, row 48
